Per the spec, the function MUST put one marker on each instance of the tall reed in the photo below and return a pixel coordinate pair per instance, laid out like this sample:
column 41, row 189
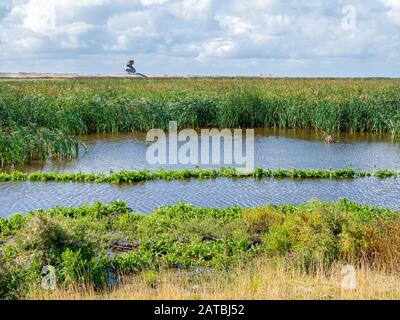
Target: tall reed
column 113, row 106
column 20, row 144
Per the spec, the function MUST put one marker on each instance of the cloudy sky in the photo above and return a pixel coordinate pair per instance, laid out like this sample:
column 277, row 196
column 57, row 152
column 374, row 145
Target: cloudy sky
column 218, row 37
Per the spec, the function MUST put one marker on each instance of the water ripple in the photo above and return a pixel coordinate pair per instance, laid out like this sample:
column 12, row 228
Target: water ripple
column 218, row 193
column 275, row 149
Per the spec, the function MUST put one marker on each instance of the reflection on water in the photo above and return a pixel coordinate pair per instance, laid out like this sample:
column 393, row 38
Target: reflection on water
column 303, row 149
column 273, row 149
column 218, row 193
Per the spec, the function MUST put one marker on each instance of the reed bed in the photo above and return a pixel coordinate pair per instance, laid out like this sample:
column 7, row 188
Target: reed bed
column 126, row 176
column 21, row 144
column 83, row 106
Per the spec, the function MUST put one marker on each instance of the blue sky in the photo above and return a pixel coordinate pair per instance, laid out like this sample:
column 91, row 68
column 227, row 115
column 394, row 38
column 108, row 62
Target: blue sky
column 203, row 37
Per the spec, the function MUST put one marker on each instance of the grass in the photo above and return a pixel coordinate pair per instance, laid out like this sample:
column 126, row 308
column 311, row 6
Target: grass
column 124, row 177
column 82, row 106
column 88, row 244
column 262, row 279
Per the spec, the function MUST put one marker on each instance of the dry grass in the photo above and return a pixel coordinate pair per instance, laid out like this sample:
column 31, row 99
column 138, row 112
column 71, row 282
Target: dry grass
column 270, row 280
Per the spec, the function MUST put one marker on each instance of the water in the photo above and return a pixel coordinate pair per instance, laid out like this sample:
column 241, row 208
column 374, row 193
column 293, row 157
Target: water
column 217, row 193
column 273, row 149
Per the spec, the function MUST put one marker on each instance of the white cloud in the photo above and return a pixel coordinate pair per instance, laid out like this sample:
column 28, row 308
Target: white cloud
column 27, row 44
column 394, row 12
column 234, row 25
column 39, row 16
column 152, row 2
column 203, row 32
column 252, row 6
column 191, row 9
column 134, row 31
column 216, row 48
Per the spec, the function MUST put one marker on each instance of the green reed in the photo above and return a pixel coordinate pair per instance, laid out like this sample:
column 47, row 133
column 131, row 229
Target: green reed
column 76, row 106
column 20, row 144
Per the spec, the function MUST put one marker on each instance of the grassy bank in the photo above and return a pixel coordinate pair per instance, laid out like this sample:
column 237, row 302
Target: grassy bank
column 74, row 106
column 261, row 279
column 91, row 245
column 126, row 176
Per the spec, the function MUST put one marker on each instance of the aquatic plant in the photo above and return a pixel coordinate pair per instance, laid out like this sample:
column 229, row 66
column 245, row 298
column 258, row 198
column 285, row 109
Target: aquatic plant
column 20, row 144
column 88, row 106
column 127, row 176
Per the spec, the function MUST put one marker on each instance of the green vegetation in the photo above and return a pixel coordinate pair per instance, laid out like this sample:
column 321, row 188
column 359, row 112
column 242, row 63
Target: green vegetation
column 20, row 144
column 64, row 108
column 126, row 176
column 88, row 244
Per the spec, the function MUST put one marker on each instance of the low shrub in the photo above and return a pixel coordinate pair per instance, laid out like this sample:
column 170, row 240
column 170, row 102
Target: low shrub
column 94, row 244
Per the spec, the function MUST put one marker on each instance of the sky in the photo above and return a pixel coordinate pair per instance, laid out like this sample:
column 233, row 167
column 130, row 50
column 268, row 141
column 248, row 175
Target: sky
column 295, row 38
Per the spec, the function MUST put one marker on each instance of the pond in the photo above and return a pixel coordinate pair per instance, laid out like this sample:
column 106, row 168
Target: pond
column 273, row 149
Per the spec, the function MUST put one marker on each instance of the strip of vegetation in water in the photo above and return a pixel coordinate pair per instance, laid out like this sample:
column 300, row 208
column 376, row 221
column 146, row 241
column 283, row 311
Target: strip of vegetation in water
column 126, row 176
column 112, row 106
column 93, row 244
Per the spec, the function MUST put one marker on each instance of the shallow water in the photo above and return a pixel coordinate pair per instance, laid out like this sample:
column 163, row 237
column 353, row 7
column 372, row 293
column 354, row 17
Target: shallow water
column 215, row 193
column 274, row 149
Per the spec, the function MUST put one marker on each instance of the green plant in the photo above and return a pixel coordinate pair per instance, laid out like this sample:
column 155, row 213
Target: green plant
column 90, row 245
column 40, row 118
column 151, row 278
column 126, row 176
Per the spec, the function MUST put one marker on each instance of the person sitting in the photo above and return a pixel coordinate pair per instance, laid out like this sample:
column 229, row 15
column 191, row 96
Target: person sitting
column 130, row 68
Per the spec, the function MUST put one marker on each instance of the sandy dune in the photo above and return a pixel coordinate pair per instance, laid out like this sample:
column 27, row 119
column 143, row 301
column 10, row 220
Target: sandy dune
column 34, row 75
